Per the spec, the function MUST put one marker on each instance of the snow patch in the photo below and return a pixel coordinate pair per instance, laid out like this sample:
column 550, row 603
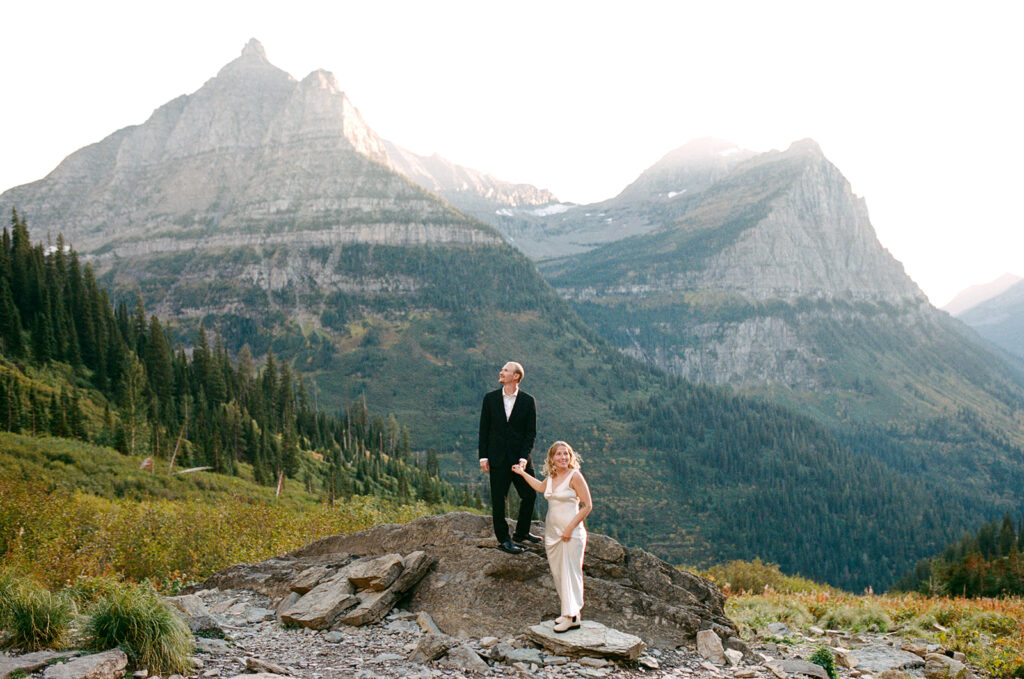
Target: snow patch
column 504, row 212
column 556, row 209
column 673, row 194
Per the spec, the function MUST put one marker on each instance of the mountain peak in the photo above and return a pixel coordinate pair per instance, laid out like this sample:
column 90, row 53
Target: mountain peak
column 807, row 147
column 321, row 80
column 686, row 170
column 254, row 50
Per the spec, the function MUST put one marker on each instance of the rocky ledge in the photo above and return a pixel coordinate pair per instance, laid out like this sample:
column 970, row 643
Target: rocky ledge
column 471, row 589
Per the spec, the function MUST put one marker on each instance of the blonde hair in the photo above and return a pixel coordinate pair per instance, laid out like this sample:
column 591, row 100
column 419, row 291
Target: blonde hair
column 574, row 457
column 517, row 368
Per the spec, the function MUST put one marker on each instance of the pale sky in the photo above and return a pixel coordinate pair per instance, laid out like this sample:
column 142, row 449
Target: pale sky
column 919, row 104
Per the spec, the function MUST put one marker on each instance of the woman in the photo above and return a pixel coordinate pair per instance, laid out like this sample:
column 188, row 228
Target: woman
column 565, row 537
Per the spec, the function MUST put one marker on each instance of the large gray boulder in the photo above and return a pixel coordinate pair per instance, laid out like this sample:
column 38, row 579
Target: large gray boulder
column 29, row 662
column 106, row 665
column 475, row 590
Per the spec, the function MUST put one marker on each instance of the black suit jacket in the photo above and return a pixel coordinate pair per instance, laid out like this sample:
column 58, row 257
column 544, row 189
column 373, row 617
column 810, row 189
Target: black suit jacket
column 504, row 442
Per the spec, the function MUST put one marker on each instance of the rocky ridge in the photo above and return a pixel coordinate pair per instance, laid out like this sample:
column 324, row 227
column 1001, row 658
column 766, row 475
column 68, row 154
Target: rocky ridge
column 774, row 279
column 252, row 154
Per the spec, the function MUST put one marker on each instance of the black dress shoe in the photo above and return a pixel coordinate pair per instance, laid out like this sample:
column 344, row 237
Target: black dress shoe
column 529, row 537
column 507, row 546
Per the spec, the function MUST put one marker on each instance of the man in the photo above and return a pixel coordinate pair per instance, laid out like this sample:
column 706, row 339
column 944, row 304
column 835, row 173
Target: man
column 508, row 427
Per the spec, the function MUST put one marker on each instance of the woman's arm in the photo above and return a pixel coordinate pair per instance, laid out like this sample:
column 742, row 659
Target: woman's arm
column 534, row 483
column 579, row 484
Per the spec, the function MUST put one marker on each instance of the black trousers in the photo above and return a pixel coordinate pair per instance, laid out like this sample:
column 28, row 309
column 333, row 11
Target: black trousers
column 502, row 477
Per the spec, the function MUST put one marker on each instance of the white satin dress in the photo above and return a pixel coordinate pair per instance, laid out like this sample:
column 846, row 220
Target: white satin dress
column 565, row 558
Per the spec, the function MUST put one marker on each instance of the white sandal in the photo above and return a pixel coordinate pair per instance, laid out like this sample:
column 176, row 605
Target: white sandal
column 567, row 624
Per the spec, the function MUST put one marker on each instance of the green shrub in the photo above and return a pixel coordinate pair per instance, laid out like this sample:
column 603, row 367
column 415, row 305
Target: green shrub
column 756, row 576
column 36, row 618
column 134, row 618
column 823, row 656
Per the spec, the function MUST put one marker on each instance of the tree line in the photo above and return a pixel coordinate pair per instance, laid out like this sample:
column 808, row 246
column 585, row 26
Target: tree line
column 76, row 365
column 986, row 563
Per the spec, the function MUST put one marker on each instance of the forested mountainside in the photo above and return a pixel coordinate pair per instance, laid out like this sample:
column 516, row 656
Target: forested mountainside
column 74, row 366
column 260, row 208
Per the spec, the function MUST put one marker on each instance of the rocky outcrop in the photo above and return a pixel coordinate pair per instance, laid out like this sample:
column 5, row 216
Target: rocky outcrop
column 475, row 590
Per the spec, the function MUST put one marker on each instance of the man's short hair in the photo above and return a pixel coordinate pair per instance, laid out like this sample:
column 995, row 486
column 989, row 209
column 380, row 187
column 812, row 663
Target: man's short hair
column 517, row 368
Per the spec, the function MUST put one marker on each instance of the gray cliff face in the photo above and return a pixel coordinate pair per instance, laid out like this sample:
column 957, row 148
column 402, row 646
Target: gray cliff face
column 816, row 241
column 774, row 276
column 251, row 154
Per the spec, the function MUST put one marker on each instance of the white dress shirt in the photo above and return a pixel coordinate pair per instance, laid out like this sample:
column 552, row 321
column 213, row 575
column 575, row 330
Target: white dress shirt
column 510, row 402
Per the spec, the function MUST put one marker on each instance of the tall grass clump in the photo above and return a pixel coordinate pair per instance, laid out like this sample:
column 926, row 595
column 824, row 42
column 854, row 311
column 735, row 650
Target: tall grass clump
column 152, row 635
column 7, row 584
column 35, row 618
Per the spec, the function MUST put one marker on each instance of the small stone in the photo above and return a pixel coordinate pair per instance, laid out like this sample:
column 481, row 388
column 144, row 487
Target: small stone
column 487, row 642
column 915, row 647
column 648, row 662
column 745, row 673
column 939, row 666
column 778, row 629
column 526, row 655
column 334, row 637
column 431, row 647
column 374, row 573
column 426, row 623
column 816, row 631
column 709, row 646
column 551, row 660
column 593, row 662
column 464, row 658
column 804, row 667
column 263, row 666
column 140, row 674
column 733, row 657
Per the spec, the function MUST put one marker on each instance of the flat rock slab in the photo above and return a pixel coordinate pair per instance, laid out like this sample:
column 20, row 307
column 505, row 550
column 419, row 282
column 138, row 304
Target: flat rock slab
column 876, row 659
column 592, row 638
column 106, row 665
column 804, row 668
column 30, row 662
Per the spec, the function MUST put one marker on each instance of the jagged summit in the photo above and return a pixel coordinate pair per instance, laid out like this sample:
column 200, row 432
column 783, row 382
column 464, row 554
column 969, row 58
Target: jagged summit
column 251, row 63
column 254, row 50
